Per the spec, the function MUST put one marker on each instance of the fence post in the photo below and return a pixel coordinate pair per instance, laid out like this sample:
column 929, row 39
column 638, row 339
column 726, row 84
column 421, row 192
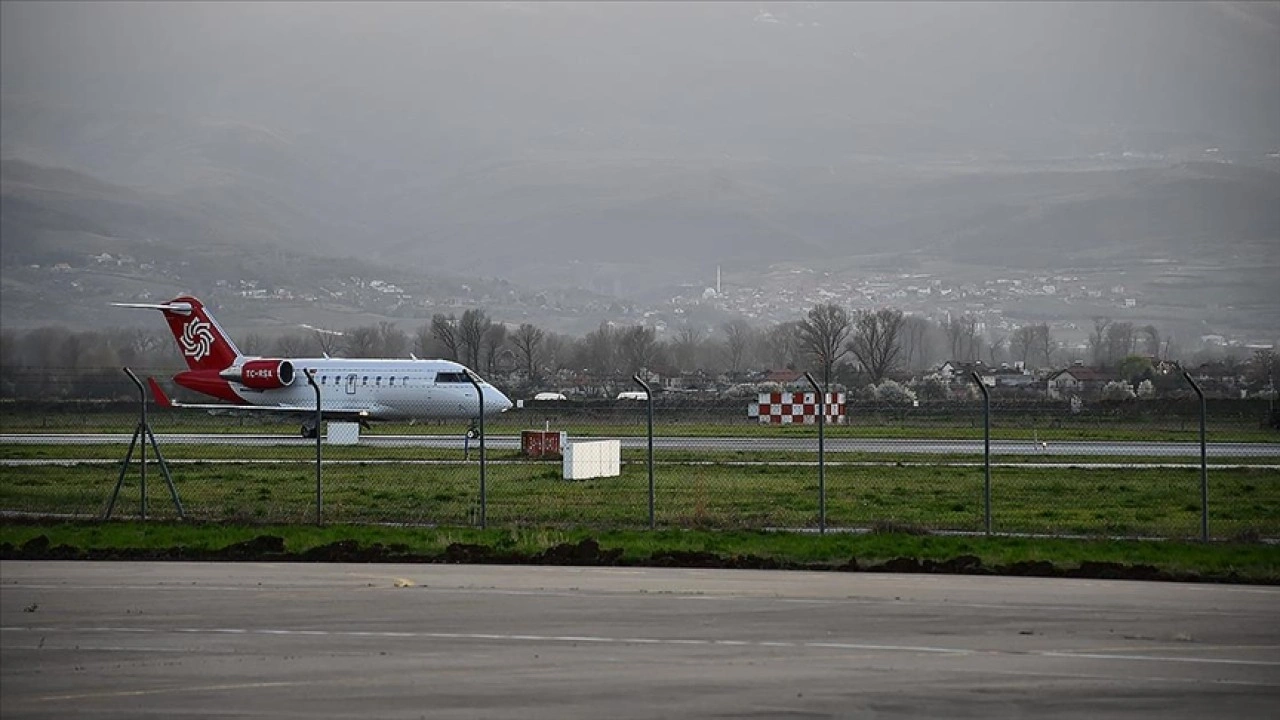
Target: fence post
column 648, row 392
column 822, row 454
column 986, row 453
column 142, row 434
column 311, row 380
column 142, row 458
column 484, row 497
column 1204, row 462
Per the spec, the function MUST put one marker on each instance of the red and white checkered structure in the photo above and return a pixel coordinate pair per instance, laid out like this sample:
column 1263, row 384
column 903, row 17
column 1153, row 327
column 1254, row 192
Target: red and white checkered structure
column 787, row 408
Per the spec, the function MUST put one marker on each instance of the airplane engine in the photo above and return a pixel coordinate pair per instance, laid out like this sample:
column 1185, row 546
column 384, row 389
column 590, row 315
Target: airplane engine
column 261, row 374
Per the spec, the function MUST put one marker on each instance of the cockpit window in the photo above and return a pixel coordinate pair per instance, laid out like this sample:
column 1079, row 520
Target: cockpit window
column 451, row 377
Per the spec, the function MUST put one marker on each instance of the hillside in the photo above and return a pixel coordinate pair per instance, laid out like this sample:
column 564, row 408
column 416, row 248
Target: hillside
column 72, row 244
column 572, row 160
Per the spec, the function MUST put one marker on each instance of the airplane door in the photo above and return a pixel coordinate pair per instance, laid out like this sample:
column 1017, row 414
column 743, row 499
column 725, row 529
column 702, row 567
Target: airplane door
column 351, row 384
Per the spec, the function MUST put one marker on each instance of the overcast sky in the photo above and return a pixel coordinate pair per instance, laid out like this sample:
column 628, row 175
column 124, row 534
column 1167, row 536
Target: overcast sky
column 755, row 71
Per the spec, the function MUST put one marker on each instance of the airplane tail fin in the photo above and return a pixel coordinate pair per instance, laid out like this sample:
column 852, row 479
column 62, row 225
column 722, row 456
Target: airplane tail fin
column 158, row 395
column 202, row 341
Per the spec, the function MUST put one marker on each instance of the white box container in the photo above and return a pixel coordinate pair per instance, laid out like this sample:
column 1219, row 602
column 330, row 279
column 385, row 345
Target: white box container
column 598, row 458
column 343, row 433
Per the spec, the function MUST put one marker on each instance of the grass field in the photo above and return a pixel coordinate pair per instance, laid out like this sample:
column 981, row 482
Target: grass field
column 1244, row 503
column 1242, row 562
column 695, row 488
column 296, row 451
column 632, row 424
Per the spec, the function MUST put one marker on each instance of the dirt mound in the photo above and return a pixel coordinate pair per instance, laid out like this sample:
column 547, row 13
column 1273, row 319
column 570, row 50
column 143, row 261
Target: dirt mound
column 352, row 551
column 263, row 546
column 589, row 553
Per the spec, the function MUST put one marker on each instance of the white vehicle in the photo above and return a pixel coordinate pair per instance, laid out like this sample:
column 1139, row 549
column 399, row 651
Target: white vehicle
column 549, row 396
column 631, row 395
column 359, row 389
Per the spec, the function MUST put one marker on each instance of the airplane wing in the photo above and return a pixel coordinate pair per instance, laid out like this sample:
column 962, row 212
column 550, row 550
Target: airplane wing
column 162, row 400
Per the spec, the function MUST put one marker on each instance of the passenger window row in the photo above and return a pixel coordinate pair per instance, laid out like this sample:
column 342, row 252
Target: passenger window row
column 377, row 381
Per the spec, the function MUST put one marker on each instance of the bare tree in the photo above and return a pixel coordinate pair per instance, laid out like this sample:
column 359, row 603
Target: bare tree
column 136, row 345
column 685, row 348
column 780, row 344
column 43, row 346
column 995, row 349
column 823, row 335
column 915, row 341
column 445, row 329
column 253, row 344
column 423, row 341
column 528, row 342
column 1097, row 340
column 737, row 338
column 1263, row 371
column 362, row 341
column 1022, row 342
column 1119, row 342
column 1151, row 341
column 962, row 335
column 557, row 351
column 876, row 342
column 327, row 342
column 637, row 348
column 495, row 337
column 393, row 341
column 471, row 329
column 599, row 349
column 290, row 345
column 1044, row 343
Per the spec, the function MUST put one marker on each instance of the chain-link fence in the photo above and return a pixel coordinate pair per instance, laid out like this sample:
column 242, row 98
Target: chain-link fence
column 1130, row 468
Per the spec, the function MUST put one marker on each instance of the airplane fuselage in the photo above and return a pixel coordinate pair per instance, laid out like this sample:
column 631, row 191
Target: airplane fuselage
column 383, row 389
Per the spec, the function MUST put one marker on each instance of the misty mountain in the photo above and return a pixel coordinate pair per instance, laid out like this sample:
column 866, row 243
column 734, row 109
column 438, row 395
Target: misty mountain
column 73, row 243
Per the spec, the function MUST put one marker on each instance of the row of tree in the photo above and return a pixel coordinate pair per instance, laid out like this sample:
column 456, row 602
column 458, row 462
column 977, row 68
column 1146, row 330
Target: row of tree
column 852, row 348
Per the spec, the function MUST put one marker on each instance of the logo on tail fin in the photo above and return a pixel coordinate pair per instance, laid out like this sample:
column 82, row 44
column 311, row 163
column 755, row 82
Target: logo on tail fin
column 196, row 339
column 201, row 340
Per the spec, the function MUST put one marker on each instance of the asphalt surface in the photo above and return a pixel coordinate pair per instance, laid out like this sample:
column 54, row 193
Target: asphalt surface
column 129, row 640
column 722, row 444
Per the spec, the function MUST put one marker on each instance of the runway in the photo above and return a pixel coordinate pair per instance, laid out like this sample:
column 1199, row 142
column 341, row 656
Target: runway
column 128, row 640
column 897, row 446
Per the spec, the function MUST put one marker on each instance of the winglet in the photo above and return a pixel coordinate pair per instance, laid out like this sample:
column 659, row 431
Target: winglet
column 161, row 399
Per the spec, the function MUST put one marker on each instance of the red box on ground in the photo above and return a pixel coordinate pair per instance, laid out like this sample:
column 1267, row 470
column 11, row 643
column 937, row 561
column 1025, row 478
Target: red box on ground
column 542, row 444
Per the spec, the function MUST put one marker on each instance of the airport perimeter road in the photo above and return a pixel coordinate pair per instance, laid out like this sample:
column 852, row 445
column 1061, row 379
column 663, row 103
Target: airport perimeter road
column 1101, row 448
column 130, row 640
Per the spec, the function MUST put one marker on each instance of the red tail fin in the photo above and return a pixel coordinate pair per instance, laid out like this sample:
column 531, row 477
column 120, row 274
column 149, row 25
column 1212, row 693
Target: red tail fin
column 158, row 395
column 201, row 340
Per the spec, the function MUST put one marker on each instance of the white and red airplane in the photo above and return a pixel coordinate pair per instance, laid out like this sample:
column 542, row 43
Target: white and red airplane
column 359, row 389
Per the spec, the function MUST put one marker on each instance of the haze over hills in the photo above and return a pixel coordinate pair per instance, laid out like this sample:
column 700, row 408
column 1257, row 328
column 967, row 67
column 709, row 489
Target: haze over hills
column 628, row 149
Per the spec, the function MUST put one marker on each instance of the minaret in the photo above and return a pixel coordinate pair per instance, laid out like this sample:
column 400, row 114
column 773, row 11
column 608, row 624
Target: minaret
column 717, row 280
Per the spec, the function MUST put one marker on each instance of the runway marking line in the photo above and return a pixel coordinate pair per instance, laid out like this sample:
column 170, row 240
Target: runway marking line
column 182, row 689
column 635, row 641
column 501, row 637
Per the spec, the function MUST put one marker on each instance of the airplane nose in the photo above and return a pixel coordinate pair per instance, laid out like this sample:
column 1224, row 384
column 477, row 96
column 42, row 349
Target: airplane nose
column 498, row 403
